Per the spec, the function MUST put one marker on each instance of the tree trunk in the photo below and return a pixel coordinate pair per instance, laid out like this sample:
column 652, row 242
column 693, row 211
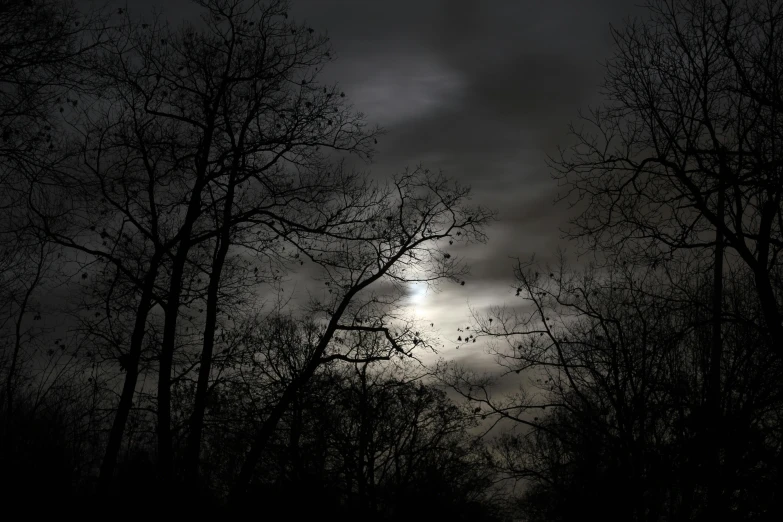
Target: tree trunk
column 131, row 377
column 294, row 440
column 9, row 392
column 270, row 424
column 715, row 498
column 193, row 450
column 268, row 427
column 260, row 442
column 168, row 345
column 364, row 459
column 769, row 303
column 165, row 448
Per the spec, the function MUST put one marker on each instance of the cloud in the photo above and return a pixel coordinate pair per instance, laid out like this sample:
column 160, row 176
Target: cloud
column 406, row 88
column 482, row 90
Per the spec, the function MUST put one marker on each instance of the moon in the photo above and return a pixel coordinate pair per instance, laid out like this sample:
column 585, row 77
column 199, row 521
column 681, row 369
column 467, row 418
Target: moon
column 417, row 297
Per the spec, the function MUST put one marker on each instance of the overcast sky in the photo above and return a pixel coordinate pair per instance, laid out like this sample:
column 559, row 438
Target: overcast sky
column 482, row 89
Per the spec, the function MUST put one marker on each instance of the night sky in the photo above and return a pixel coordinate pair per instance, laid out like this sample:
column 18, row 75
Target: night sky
column 480, row 89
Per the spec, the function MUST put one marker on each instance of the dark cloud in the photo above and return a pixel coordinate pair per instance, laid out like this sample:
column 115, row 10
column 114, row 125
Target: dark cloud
column 481, row 89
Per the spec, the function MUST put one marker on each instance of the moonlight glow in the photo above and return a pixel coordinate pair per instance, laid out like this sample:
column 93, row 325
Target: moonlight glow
column 417, row 297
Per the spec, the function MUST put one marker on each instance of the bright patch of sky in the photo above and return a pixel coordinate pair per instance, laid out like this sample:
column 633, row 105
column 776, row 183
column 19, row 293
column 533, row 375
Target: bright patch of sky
column 406, row 88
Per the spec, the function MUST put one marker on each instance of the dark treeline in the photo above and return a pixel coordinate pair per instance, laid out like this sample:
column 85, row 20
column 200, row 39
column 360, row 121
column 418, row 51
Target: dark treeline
column 654, row 366
column 163, row 187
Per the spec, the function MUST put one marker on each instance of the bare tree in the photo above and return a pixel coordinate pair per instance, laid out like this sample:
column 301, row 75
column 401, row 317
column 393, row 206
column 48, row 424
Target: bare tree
column 616, row 392
column 201, row 166
column 684, row 153
column 20, row 299
column 220, row 137
column 366, row 437
column 42, row 45
column 187, row 111
column 396, row 237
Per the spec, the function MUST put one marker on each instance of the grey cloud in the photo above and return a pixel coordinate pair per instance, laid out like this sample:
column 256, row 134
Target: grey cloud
column 481, row 89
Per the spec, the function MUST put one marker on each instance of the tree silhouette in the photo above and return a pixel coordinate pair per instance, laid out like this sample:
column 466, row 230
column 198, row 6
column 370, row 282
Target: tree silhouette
column 615, row 411
column 42, row 47
column 393, row 237
column 190, row 116
column 186, row 173
column 682, row 156
column 370, row 440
